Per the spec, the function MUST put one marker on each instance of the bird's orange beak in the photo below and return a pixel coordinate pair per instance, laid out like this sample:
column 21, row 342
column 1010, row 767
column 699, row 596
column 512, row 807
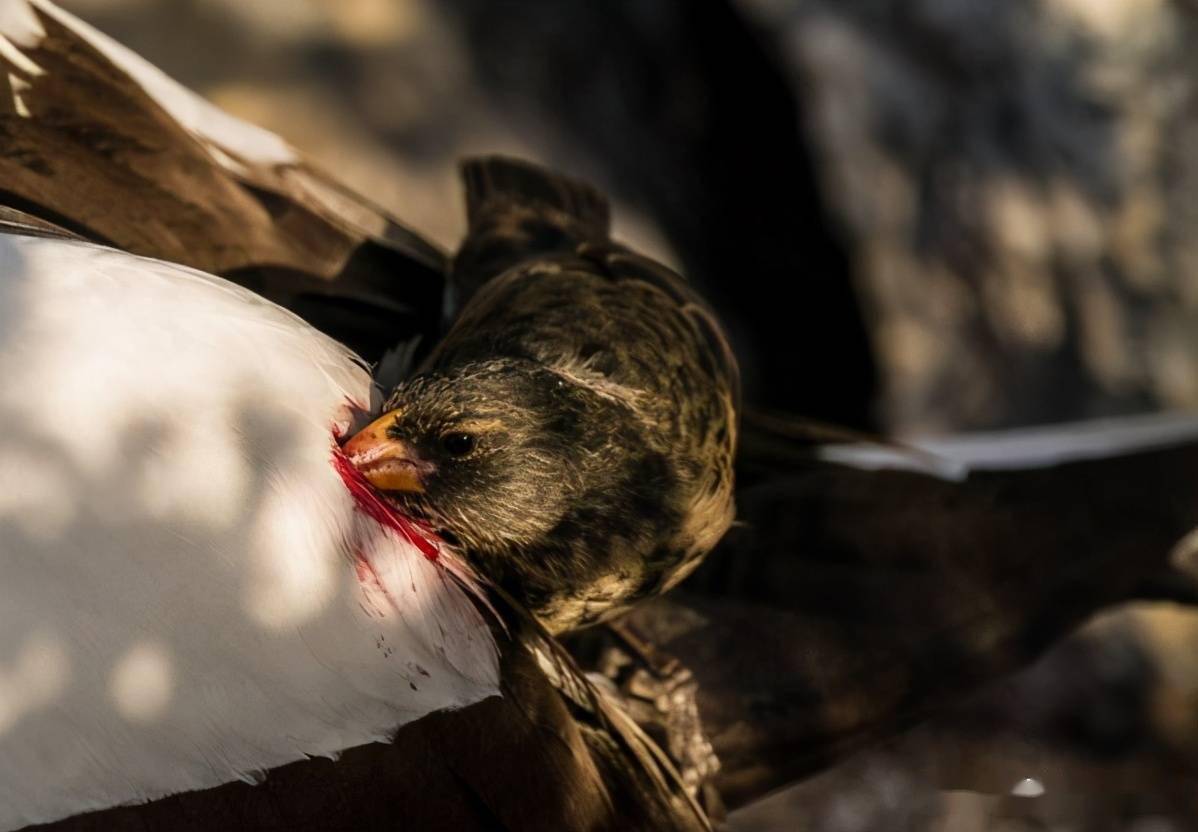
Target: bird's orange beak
column 387, row 463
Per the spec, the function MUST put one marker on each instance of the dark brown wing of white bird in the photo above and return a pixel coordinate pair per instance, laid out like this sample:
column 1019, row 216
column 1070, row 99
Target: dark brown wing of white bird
column 100, row 142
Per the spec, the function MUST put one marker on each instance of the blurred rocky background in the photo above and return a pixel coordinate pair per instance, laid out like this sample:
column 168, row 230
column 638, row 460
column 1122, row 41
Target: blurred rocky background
column 917, row 216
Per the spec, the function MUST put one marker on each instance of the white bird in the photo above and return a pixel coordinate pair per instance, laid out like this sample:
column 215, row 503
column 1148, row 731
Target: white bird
column 190, row 593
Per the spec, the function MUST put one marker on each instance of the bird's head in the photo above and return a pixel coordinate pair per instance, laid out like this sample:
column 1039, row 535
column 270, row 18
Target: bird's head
column 492, row 454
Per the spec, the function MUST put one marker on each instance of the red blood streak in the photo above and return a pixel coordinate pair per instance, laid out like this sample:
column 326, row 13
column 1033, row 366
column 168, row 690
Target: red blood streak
column 371, row 504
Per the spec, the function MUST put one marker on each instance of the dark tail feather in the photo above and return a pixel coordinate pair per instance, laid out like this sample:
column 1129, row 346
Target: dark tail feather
column 1169, row 584
column 518, row 211
column 501, row 182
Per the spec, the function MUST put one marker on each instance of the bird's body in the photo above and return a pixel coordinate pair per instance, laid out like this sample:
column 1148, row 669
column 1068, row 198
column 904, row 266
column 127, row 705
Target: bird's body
column 189, row 593
column 601, row 394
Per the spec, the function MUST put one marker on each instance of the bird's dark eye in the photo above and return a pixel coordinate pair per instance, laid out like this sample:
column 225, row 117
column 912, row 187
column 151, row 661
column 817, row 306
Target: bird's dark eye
column 458, row 444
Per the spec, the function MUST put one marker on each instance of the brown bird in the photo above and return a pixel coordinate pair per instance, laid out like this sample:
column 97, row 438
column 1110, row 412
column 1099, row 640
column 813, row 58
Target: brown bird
column 575, row 430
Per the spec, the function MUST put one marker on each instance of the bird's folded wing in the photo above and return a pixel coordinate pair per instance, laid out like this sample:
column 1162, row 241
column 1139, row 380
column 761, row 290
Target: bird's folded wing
column 187, row 593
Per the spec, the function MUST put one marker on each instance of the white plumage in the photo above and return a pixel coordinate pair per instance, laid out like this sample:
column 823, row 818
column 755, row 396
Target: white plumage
column 180, row 600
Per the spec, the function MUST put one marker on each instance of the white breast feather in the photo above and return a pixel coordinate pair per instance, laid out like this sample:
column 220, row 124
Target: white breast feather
column 179, row 605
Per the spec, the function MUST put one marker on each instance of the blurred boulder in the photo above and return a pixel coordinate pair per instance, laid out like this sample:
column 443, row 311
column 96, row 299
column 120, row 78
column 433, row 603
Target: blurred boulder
column 1017, row 186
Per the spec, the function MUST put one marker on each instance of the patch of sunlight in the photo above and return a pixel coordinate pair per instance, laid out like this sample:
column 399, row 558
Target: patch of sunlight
column 197, row 472
column 142, row 682
column 1028, row 787
column 1106, row 18
column 293, row 578
column 35, row 494
column 35, row 679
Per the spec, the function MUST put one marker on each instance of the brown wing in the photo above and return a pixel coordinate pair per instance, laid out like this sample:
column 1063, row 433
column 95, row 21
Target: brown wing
column 84, row 145
column 850, row 604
